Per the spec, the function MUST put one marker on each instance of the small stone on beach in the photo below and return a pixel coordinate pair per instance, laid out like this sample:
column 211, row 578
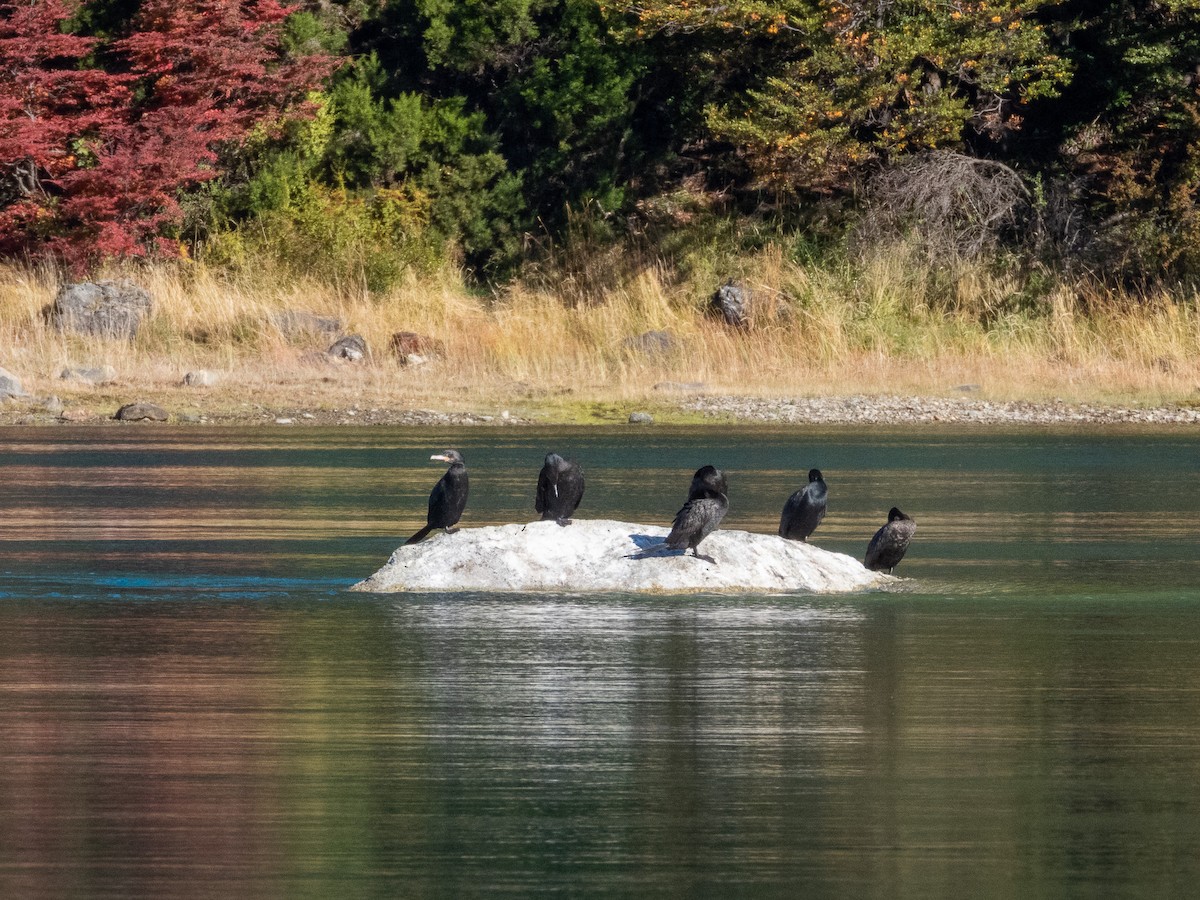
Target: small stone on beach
column 200, row 378
column 89, row 374
column 141, row 411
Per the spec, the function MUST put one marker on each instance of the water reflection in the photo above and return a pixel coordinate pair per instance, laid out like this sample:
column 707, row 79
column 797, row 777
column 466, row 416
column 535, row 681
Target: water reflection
column 190, row 703
column 527, row 747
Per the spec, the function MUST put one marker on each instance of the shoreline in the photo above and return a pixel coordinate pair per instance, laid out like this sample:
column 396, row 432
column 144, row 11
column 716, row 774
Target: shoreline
column 216, row 350
column 891, row 410
column 713, row 409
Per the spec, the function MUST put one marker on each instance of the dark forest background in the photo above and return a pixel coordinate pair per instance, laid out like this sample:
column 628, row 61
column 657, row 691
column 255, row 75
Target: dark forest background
column 371, row 139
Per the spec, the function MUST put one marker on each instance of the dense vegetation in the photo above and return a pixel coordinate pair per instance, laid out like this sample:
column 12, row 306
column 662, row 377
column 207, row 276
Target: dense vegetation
column 363, row 139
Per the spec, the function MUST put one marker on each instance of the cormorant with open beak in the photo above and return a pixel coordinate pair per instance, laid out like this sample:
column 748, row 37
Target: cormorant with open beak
column 448, row 498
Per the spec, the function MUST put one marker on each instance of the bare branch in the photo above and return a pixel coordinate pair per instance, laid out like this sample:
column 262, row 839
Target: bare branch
column 957, row 206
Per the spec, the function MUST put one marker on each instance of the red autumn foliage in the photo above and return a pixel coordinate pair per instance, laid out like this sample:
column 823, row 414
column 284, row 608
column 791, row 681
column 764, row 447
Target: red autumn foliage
column 91, row 174
column 51, row 110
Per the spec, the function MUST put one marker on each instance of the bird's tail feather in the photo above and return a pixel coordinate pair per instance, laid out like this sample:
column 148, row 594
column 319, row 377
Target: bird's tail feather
column 419, row 536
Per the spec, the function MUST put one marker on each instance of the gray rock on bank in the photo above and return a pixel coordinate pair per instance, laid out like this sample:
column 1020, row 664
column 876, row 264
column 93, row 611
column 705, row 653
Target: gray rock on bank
column 141, row 411
column 298, row 323
column 89, row 374
column 10, row 385
column 353, row 348
column 730, row 303
column 201, row 378
column 593, row 555
column 112, row 309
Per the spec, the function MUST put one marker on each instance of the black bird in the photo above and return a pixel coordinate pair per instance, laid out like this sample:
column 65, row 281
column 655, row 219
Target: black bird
column 559, row 489
column 706, row 506
column 888, row 546
column 448, row 497
column 805, row 509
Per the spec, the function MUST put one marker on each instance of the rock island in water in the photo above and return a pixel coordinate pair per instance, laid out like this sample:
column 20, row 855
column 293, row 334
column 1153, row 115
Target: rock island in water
column 606, row 556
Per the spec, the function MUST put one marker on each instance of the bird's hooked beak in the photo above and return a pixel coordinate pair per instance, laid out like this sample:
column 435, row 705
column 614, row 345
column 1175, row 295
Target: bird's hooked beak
column 442, row 456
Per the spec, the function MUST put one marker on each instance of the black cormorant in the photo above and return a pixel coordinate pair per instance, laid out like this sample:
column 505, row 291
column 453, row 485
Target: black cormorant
column 448, row 497
column 559, row 489
column 805, row 509
column 706, row 506
column 888, row 546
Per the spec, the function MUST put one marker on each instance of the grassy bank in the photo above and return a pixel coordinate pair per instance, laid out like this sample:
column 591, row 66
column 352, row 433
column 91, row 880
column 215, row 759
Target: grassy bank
column 557, row 346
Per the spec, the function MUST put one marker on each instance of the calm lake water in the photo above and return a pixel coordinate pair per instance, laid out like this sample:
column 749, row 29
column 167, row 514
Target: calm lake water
column 192, row 705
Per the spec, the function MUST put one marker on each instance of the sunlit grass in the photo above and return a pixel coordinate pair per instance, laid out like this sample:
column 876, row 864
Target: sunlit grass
column 882, row 325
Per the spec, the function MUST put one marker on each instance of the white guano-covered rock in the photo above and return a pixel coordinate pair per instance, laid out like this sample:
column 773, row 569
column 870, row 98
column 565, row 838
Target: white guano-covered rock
column 602, row 555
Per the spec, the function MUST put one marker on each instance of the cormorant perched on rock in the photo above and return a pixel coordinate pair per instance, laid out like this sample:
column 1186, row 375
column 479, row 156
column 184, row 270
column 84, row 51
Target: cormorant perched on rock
column 706, row 506
column 805, row 509
column 448, row 497
column 559, row 489
column 888, row 546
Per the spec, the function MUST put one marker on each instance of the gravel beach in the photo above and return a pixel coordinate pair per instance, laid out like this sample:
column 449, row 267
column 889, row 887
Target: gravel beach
column 851, row 410
column 864, row 410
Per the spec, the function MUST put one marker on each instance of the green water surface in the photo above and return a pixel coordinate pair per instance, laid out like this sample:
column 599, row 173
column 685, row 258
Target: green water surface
column 192, row 705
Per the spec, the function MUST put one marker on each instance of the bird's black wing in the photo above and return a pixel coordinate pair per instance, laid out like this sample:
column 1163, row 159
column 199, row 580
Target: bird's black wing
column 790, row 509
column 695, row 520
column 439, row 499
column 812, row 508
column 687, row 521
column 543, row 490
column 570, row 490
column 457, row 489
column 448, row 499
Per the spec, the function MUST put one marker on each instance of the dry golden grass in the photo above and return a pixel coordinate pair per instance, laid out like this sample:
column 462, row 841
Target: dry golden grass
column 868, row 330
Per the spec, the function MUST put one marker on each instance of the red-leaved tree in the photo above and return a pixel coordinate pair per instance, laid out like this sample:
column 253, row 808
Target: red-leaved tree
column 204, row 74
column 52, row 113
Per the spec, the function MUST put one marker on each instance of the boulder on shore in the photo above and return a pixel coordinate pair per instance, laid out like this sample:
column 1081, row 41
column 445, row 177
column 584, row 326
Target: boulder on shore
column 201, row 378
column 731, row 304
column 112, row 309
column 606, row 556
column 141, row 411
column 299, row 323
column 10, row 385
column 89, row 374
column 353, row 347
